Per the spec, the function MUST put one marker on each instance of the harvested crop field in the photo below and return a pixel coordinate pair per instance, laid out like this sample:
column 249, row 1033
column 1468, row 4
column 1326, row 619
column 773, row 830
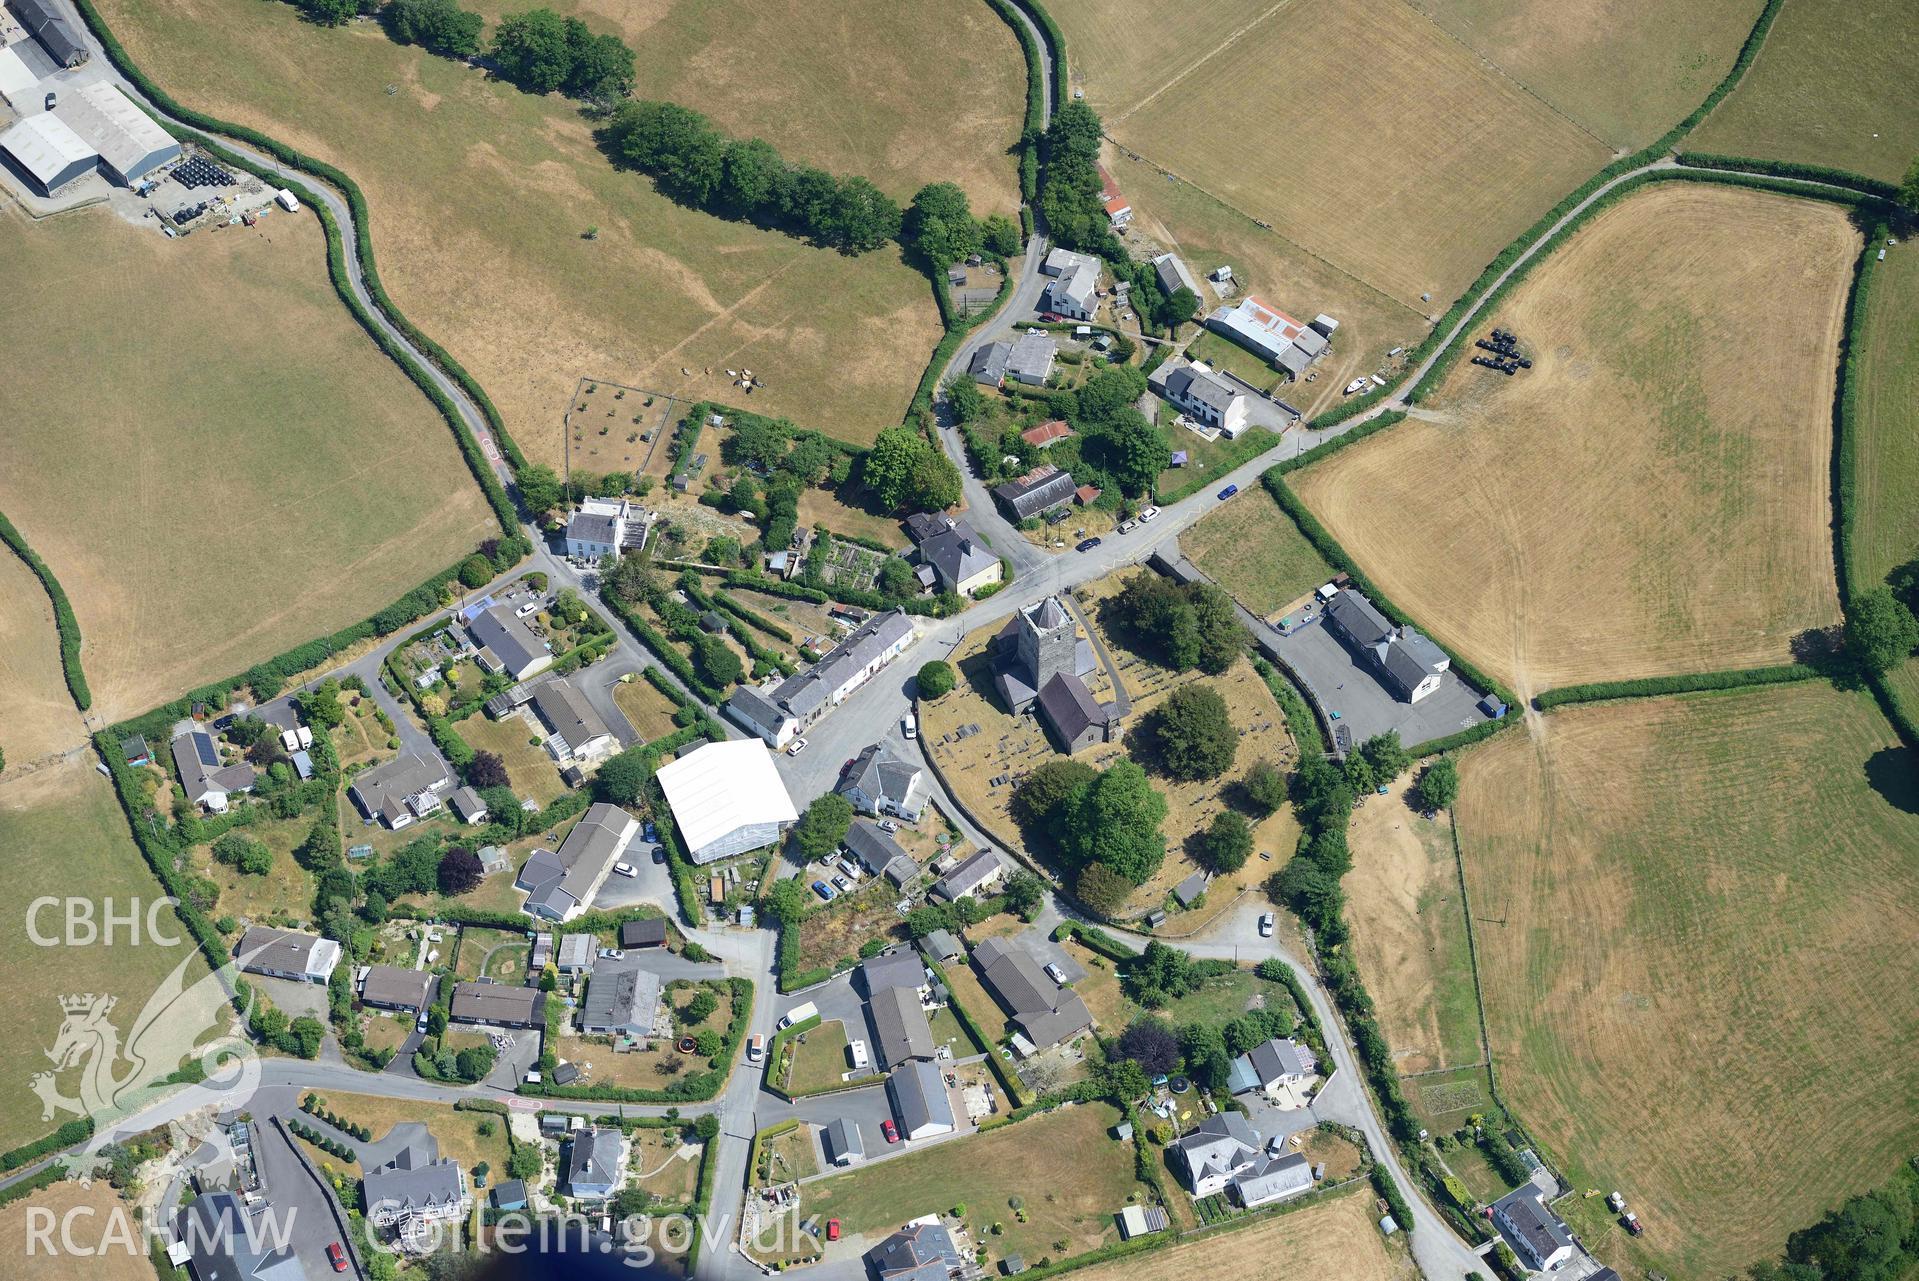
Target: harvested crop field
column 63, row 833
column 1410, row 177
column 1629, row 70
column 1832, row 85
column 1695, row 925
column 37, row 715
column 1886, row 470
column 242, row 471
column 1254, row 550
column 1409, row 932
column 1336, row 1238
column 102, row 1225
column 460, row 170
column 1649, row 498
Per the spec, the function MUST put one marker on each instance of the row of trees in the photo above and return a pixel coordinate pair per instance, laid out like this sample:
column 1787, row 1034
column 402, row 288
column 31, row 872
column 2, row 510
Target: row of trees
column 940, row 227
column 746, row 178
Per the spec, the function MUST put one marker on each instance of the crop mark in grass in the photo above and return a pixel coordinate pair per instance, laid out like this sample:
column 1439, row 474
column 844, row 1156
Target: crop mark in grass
column 1202, row 60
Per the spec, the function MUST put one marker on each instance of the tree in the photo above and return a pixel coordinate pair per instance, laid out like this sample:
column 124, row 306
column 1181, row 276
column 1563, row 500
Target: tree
column 1102, row 891
column 1909, row 189
column 940, row 225
column 540, row 488
column 476, row 571
column 436, row 1021
column 896, row 577
column 1880, row 631
column 1000, row 234
column 624, row 777
column 1227, row 842
column 1438, row 785
column 822, row 829
column 330, row 13
column 1115, row 821
column 475, row 1061
column 1109, row 391
column 1388, row 759
column 1177, row 308
column 1216, row 624
column 935, row 679
column 700, row 1008
column 1204, row 1048
column 927, row 917
column 1039, row 798
column 243, row 853
column 1150, row 1043
column 438, row 26
column 524, row 1161
column 706, row 1128
column 716, row 661
column 1124, row 1079
column 1306, row 888
column 1192, row 733
column 486, row 769
column 600, row 67
column 1023, row 892
column 305, row 1035
column 631, row 1202
column 460, row 871
column 786, row 901
column 750, row 180
column 534, row 53
column 1264, row 786
column 904, row 469
column 1130, row 449
column 863, row 217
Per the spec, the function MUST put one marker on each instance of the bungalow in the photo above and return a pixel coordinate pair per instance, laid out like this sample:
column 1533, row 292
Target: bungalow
column 402, row 790
column 621, row 999
column 498, row 1005
column 560, row 883
column 988, row 365
column 225, row 1243
column 284, row 954
column 1030, row 359
column 901, row 1032
column 919, row 1099
column 507, row 644
column 1203, row 395
column 467, row 806
column 204, row 780
column 880, row 783
column 898, row 968
column 1272, row 1066
column 391, row 988
column 1538, row 1235
column 593, row 1162
column 842, row 1143
column 780, row 714
column 575, row 732
column 978, row 875
column 923, row 1250
column 879, row 853
column 1038, row 491
column 1271, row 1178
column 1045, row 1013
column 1214, row 1152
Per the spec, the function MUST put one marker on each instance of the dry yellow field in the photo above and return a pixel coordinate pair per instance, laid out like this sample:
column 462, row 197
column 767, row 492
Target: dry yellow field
column 103, row 1231
column 1360, row 131
column 481, row 196
column 1628, row 69
column 1336, row 1239
column 1652, row 497
column 210, row 453
column 1832, row 85
column 1695, row 921
column 1409, row 932
column 37, row 715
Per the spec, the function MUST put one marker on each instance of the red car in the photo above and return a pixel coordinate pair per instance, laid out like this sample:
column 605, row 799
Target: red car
column 890, row 1130
column 832, row 1229
column 336, row 1256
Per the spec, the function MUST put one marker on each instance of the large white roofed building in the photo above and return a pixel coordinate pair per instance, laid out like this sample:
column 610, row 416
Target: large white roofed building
column 48, row 153
column 130, row 144
column 727, row 798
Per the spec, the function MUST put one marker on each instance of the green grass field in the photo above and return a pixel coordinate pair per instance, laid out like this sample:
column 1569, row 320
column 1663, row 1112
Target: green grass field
column 240, row 470
column 1695, row 921
column 481, row 197
column 62, row 833
column 1254, row 551
column 1886, row 473
column 821, row 1062
column 1826, row 89
column 1071, row 1175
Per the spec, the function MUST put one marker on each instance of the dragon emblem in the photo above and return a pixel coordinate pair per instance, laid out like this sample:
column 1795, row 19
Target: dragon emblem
column 184, row 1032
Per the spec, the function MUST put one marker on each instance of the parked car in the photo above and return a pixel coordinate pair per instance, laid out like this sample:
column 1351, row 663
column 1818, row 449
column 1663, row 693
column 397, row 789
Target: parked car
column 910, row 725
column 841, row 884
column 419, row 1024
column 649, row 832
column 851, row 868
column 756, row 1048
column 1266, row 925
column 1088, row 545
column 659, row 853
column 1056, row 974
column 1126, row 526
column 612, row 954
column 336, row 1256
column 832, row 1229
column 626, row 869
column 797, row 746
column 888, row 825
column 891, row 1131
column 1148, row 514
column 825, row 891
column 1228, row 492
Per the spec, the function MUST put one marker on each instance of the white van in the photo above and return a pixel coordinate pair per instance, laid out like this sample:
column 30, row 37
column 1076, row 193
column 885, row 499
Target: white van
column 910, row 726
column 798, row 1014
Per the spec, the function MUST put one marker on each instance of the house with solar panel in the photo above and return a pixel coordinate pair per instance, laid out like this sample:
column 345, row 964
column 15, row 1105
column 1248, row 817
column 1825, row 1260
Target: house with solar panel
column 205, row 779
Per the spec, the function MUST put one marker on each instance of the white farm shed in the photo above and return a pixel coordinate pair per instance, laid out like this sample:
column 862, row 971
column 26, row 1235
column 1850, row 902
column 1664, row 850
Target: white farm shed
column 727, row 799
column 47, row 153
column 18, row 83
column 130, row 144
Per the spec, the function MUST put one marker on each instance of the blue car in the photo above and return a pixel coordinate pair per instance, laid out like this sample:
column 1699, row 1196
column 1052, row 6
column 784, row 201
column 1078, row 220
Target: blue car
column 825, row 891
column 1228, row 492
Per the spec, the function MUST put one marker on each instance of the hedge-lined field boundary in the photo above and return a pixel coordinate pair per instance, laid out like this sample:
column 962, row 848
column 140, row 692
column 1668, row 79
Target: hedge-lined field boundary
column 1689, row 683
column 64, row 620
column 1789, row 169
column 356, row 205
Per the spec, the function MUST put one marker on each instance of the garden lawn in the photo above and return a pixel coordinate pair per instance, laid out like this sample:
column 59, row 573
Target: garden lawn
column 819, row 1059
column 1255, row 552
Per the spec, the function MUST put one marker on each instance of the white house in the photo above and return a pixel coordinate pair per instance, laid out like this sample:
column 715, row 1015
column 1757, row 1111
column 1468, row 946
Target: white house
column 605, row 527
column 1214, row 1151
column 1276, row 1065
column 1074, row 290
column 1204, row 395
column 1537, row 1234
column 780, row 714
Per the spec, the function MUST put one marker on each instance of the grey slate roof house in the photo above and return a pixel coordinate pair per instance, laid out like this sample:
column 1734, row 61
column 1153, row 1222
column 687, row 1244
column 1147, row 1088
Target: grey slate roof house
column 779, row 714
column 842, row 1142
column 1408, row 662
column 467, row 806
column 879, row 853
column 1270, row 1065
column 1039, row 490
column 921, row 1251
column 1045, row 1013
column 498, row 1005
column 410, row 1185
column 1537, row 1234
column 1272, row 1178
column 560, row 884
column 402, row 790
column 1216, row 1149
column 881, row 783
column 988, row 365
column 1202, row 394
column 287, row 954
column 960, row 560
column 920, row 1104
column 899, row 968
column 1031, row 360
column 901, row 1032
column 621, row 999
column 578, row 732
column 978, row 874
column 593, row 1164
column 507, row 644
column 206, row 782
column 227, row 1245
column 392, row 988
